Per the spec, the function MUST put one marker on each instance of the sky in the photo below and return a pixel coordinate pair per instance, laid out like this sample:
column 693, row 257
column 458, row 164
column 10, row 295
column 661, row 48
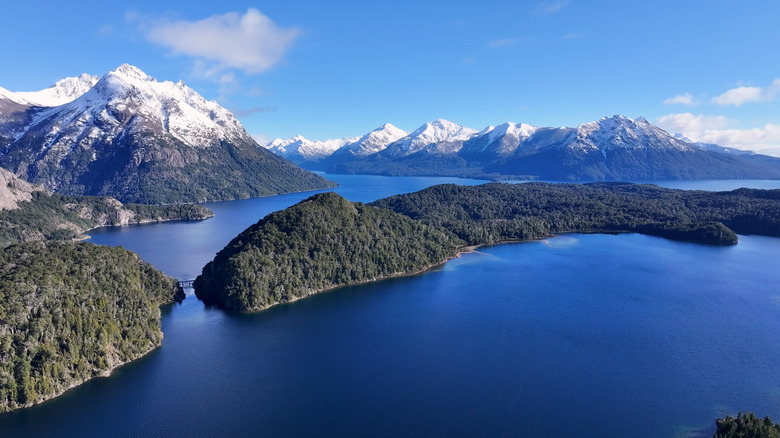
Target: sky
column 707, row 69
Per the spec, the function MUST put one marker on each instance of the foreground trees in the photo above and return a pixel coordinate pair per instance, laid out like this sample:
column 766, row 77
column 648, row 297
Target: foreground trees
column 73, row 311
column 746, row 425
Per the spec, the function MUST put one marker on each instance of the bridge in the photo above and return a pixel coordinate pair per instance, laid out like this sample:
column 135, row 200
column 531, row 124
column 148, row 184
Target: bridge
column 186, row 284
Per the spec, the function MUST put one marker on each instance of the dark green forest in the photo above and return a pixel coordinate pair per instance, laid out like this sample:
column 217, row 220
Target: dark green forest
column 496, row 212
column 70, row 311
column 326, row 241
column 50, row 216
column 746, row 425
column 322, row 242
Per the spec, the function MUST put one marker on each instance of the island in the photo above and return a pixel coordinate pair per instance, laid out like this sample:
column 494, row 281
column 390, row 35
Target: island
column 325, row 241
column 72, row 311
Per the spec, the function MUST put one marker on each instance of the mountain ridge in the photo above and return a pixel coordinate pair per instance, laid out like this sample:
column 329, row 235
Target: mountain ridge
column 612, row 148
column 134, row 138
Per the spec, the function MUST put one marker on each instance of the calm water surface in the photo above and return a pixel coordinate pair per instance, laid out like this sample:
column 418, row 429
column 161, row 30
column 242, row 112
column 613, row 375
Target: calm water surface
column 580, row 335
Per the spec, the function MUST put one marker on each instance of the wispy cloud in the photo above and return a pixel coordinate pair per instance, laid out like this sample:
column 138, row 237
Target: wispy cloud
column 573, row 36
column 682, row 99
column 715, row 129
column 741, row 95
column 250, row 42
column 687, row 122
column 243, row 112
column 498, row 43
column 261, row 139
column 551, row 7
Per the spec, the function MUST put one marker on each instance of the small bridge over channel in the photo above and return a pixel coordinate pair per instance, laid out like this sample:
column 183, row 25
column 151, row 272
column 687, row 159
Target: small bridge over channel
column 186, row 284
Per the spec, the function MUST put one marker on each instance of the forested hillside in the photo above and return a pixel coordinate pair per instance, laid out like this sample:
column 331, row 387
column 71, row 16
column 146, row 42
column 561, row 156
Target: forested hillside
column 747, row 425
column 49, row 216
column 322, row 242
column 71, row 311
column 326, row 241
column 496, row 212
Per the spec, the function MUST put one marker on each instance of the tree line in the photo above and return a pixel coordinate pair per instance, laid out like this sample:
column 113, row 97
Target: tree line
column 70, row 311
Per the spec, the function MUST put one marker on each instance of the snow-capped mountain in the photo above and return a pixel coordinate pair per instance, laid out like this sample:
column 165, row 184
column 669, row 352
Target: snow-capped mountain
column 375, row 141
column 132, row 137
column 441, row 135
column 299, row 149
column 501, row 140
column 612, row 148
column 63, row 91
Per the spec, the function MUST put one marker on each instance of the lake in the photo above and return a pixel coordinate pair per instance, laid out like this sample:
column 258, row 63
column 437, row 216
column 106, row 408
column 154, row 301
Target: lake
column 578, row 335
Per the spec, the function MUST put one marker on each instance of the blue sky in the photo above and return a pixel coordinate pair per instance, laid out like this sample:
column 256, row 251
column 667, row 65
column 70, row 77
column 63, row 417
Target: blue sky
column 709, row 69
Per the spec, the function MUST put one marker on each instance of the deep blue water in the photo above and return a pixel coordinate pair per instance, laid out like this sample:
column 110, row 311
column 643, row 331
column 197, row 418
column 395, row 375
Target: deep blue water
column 579, row 335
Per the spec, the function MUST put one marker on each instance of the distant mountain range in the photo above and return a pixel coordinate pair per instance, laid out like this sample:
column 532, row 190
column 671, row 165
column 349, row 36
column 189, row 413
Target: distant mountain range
column 128, row 136
column 613, row 148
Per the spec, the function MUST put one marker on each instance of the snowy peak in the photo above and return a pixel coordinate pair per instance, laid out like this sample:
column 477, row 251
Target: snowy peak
column 519, row 131
column 376, row 140
column 621, row 132
column 501, row 140
column 62, row 92
column 130, row 72
column 299, row 148
column 440, row 132
column 127, row 99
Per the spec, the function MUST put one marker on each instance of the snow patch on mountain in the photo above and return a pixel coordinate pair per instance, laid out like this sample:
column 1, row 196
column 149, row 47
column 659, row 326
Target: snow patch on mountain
column 63, row 91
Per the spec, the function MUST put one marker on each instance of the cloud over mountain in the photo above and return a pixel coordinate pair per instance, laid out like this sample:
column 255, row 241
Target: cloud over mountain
column 250, row 42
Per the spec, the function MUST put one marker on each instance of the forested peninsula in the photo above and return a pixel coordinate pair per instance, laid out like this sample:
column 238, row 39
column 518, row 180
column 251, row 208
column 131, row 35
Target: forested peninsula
column 71, row 311
column 326, row 241
column 50, row 216
column 320, row 243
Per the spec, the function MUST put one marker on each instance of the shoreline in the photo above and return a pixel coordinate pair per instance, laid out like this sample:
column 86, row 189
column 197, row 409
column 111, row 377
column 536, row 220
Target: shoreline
column 459, row 252
column 75, row 384
column 468, row 249
column 84, row 236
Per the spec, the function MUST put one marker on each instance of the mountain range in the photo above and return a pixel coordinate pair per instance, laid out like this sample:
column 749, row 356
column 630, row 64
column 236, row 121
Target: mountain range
column 613, row 148
column 129, row 136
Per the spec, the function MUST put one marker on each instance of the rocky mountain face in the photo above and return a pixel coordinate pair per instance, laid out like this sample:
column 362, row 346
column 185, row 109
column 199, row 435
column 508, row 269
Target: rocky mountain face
column 613, row 148
column 129, row 136
column 14, row 190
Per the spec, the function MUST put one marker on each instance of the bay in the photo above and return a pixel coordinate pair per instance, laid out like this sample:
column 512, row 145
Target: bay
column 579, row 335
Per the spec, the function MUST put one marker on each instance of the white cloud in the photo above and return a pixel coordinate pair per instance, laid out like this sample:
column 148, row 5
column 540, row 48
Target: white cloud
column 740, row 95
column 687, row 122
column 682, row 99
column 497, row 43
column 261, row 139
column 551, row 7
column 250, row 42
column 714, row 129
